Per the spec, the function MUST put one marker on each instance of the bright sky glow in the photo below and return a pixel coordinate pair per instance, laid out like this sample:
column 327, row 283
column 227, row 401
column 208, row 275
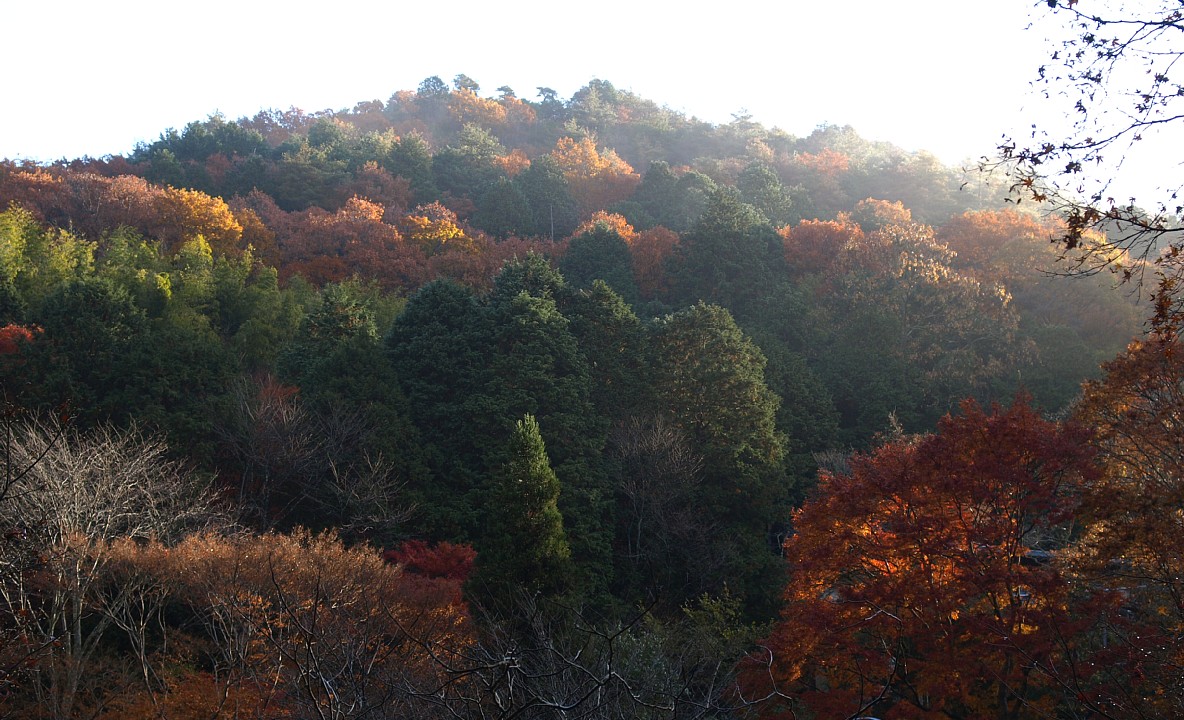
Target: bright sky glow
column 95, row 78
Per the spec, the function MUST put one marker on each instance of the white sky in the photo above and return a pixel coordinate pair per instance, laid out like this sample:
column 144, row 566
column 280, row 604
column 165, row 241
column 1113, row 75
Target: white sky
column 94, row 78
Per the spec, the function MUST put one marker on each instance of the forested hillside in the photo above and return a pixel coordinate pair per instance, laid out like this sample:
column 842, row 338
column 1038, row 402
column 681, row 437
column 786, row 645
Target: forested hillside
column 467, row 405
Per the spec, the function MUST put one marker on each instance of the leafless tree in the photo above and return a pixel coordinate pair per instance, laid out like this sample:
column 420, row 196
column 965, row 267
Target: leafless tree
column 552, row 661
column 77, row 494
column 301, row 467
column 273, row 439
column 669, row 535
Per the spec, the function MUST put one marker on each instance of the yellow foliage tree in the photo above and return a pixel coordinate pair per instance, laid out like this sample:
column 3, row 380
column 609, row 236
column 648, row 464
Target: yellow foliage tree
column 513, row 163
column 434, row 228
column 595, row 179
column 612, row 221
column 467, row 107
column 184, row 214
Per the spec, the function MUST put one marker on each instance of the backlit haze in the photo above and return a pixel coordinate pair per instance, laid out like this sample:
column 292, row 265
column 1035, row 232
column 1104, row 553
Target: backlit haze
column 93, row 79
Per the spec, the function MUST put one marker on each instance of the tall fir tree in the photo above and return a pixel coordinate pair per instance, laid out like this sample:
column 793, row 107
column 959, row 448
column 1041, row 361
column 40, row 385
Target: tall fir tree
column 524, row 546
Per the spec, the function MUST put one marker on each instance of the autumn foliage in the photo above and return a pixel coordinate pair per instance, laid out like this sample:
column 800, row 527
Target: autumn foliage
column 919, row 583
column 614, row 222
column 181, row 215
column 93, row 204
column 1138, row 412
column 285, row 626
column 12, row 337
column 444, row 561
column 999, row 242
column 597, row 178
column 467, row 107
column 330, row 314
column 814, row 246
column 434, row 228
column 327, row 247
column 1134, row 543
column 651, row 250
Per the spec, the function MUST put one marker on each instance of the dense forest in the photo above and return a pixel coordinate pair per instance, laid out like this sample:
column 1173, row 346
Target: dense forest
column 463, row 405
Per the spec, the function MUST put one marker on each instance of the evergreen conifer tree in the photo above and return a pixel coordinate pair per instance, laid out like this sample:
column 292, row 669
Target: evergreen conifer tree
column 525, row 545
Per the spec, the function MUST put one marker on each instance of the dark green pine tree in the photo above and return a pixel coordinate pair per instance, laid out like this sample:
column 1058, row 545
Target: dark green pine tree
column 532, row 275
column 708, row 378
column 467, row 168
column 411, row 158
column 81, row 361
column 600, row 254
column 502, row 210
column 439, row 349
column 348, row 385
column 657, row 192
column 524, row 545
column 536, row 367
column 340, row 320
column 553, row 212
column 694, row 196
column 806, row 416
column 609, row 335
column 663, row 198
column 761, row 188
column 731, row 257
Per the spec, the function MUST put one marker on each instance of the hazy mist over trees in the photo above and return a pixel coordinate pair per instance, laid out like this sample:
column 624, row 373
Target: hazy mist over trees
column 463, row 404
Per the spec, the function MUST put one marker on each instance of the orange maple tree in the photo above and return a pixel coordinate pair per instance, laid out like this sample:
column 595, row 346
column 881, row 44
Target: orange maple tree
column 813, row 246
column 650, row 250
column 301, row 626
column 1134, row 539
column 479, row 265
column 376, row 184
column 330, row 247
column 1000, row 243
column 12, row 337
column 921, row 582
column 92, row 205
column 256, row 234
column 182, row 215
column 614, row 222
column 823, row 173
column 596, row 178
column 512, row 163
column 466, row 106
